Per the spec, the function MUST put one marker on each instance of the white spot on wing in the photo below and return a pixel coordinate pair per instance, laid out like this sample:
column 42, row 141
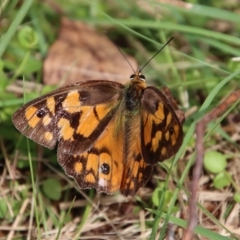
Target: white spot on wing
column 102, row 182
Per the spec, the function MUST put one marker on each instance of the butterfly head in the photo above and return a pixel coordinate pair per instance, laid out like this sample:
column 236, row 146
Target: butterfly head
column 138, row 76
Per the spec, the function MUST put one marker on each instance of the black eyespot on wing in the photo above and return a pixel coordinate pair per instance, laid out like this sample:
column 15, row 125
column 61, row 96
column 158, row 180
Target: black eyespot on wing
column 105, row 168
column 41, row 113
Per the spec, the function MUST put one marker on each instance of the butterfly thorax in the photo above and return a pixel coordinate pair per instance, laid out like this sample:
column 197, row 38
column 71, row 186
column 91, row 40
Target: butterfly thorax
column 134, row 92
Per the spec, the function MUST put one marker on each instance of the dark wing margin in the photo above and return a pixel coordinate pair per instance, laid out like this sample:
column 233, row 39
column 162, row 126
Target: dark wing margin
column 135, row 176
column 161, row 129
column 56, row 116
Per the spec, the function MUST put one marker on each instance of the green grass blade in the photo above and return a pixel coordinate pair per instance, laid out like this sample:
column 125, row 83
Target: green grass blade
column 6, row 38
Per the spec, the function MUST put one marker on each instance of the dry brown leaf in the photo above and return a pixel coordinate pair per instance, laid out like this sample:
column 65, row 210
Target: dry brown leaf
column 80, row 54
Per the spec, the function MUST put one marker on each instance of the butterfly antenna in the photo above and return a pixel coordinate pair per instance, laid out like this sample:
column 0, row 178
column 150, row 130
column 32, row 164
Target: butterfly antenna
column 156, row 53
column 121, row 53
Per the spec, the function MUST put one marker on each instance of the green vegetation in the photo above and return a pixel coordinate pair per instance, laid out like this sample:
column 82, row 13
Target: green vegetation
column 201, row 66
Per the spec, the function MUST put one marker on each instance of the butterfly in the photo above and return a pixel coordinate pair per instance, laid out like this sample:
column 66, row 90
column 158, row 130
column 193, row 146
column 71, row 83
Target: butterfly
column 109, row 136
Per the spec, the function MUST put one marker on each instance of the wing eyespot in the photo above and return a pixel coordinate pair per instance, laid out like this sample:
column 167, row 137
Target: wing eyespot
column 41, row 113
column 105, row 168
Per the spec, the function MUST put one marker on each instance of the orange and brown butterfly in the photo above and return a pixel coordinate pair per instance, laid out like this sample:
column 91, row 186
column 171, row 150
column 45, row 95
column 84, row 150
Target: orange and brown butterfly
column 109, row 136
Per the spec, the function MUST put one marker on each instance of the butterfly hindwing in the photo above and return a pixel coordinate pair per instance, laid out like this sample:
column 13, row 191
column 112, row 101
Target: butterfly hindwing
column 74, row 116
column 162, row 131
column 136, row 170
column 102, row 166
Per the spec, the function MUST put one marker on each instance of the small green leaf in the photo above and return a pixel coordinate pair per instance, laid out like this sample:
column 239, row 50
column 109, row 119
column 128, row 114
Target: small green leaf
column 22, row 164
column 27, row 37
column 3, row 208
column 236, row 197
column 156, row 197
column 52, row 189
column 214, row 162
column 222, row 180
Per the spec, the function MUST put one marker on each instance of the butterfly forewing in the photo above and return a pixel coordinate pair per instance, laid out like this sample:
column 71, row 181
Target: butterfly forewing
column 74, row 116
column 162, row 131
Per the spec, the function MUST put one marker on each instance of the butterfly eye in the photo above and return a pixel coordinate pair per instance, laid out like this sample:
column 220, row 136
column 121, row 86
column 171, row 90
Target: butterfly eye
column 142, row 77
column 132, row 76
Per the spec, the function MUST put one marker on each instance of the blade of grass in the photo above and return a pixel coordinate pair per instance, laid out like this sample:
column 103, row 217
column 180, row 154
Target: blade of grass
column 62, row 222
column 222, row 46
column 85, row 215
column 34, row 188
column 6, row 38
column 199, row 230
column 151, row 24
column 201, row 10
column 32, row 177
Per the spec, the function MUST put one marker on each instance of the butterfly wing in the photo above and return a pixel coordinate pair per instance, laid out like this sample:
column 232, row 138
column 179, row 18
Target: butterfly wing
column 136, row 171
column 161, row 128
column 102, row 166
column 73, row 116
